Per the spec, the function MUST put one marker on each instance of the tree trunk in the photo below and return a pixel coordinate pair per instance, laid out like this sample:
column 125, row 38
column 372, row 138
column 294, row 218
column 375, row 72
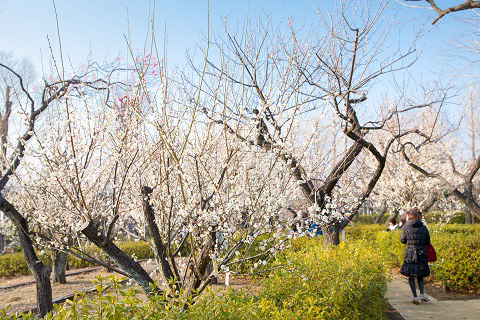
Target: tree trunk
column 468, row 216
column 468, row 201
column 40, row 272
column 160, row 251
column 427, row 204
column 379, row 218
column 209, row 271
column 331, row 235
column 198, row 268
column 127, row 264
column 59, row 266
column 2, row 242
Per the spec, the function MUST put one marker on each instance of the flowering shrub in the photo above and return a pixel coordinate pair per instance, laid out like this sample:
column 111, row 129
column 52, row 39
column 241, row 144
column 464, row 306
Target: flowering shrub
column 346, row 283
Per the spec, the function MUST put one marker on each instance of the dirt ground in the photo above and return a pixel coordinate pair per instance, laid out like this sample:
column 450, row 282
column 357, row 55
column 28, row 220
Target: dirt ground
column 24, row 298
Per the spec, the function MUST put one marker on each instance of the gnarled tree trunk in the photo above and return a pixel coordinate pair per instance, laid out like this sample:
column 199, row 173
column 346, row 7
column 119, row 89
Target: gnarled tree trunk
column 195, row 274
column 331, row 235
column 379, row 218
column 40, row 272
column 160, row 251
column 127, row 264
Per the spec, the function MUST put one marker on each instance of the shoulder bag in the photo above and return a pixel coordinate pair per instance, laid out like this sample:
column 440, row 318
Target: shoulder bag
column 431, row 254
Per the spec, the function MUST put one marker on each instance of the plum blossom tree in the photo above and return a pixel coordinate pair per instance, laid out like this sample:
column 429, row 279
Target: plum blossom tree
column 10, row 92
column 29, row 108
column 447, row 162
column 402, row 188
column 141, row 151
column 265, row 87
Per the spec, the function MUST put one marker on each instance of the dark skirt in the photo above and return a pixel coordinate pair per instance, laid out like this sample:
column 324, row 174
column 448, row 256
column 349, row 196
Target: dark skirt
column 415, row 263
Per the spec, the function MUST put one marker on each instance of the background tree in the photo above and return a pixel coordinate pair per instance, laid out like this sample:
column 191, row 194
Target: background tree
column 264, row 85
column 29, row 110
column 454, row 166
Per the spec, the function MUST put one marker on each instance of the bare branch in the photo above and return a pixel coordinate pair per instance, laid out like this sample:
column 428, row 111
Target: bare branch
column 467, row 5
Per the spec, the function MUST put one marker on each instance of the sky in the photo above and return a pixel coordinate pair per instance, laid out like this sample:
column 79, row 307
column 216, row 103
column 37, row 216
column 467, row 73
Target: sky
column 99, row 28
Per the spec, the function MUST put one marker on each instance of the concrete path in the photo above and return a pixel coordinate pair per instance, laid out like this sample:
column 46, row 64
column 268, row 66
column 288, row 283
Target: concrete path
column 399, row 294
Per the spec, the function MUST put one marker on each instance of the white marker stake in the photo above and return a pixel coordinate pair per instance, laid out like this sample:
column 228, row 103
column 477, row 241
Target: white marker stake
column 343, row 235
column 227, row 278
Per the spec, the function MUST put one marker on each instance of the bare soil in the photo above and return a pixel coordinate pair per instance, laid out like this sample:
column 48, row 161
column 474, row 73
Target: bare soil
column 435, row 289
column 393, row 314
column 24, row 298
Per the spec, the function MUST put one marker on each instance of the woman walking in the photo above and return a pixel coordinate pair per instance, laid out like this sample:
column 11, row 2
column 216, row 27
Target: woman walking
column 415, row 264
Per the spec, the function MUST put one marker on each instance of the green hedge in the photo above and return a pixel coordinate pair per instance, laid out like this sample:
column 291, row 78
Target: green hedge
column 465, row 229
column 366, row 232
column 368, row 219
column 458, row 262
column 14, row 264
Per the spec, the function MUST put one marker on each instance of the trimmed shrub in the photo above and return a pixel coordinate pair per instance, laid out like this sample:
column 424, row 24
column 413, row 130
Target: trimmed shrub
column 465, row 229
column 365, row 232
column 137, row 249
column 12, row 264
column 368, row 219
column 458, row 264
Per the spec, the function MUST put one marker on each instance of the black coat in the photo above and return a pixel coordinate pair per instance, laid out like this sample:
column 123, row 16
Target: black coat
column 416, row 236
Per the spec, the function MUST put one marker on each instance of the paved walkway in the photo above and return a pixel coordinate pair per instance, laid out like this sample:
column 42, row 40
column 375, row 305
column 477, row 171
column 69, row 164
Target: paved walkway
column 399, row 294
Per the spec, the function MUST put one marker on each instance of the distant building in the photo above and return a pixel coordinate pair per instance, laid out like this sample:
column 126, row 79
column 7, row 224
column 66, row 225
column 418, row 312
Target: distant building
column 367, row 208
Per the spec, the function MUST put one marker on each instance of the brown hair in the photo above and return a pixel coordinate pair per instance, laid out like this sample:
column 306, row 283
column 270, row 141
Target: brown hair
column 414, row 215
